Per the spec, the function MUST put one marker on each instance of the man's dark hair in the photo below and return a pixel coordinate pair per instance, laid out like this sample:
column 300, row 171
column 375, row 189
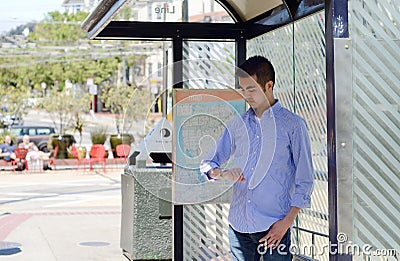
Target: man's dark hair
column 259, row 66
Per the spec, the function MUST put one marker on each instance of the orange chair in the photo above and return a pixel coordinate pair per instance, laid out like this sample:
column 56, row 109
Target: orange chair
column 97, row 154
column 52, row 161
column 123, row 151
column 20, row 161
column 75, row 153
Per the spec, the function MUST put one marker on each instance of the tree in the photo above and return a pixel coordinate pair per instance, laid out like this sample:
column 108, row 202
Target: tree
column 128, row 104
column 59, row 28
column 13, row 93
column 65, row 106
column 56, row 51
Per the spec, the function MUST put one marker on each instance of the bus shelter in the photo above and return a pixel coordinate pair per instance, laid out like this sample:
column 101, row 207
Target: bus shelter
column 337, row 66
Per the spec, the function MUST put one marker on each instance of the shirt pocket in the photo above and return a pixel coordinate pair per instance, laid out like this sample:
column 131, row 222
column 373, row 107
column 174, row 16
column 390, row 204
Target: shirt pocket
column 282, row 152
column 242, row 143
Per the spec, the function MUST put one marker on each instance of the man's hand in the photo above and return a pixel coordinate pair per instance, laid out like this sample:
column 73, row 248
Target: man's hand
column 275, row 234
column 279, row 228
column 234, row 174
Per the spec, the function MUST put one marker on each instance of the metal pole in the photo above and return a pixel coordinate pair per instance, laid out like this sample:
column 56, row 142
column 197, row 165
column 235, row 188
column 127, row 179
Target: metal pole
column 177, row 239
column 331, row 130
column 336, row 26
column 177, row 47
column 164, row 92
column 240, row 52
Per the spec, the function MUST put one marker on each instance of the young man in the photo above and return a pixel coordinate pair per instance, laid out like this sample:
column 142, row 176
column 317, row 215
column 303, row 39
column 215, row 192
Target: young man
column 272, row 168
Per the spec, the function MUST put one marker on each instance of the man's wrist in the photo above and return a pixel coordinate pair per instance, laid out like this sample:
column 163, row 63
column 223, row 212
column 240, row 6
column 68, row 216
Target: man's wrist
column 291, row 216
column 215, row 173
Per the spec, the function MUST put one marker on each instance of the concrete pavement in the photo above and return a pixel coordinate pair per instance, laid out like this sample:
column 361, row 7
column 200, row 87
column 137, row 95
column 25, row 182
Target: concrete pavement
column 63, row 214
column 60, row 215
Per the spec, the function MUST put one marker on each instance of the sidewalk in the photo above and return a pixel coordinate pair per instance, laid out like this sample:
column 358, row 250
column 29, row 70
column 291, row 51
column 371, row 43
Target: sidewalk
column 60, row 215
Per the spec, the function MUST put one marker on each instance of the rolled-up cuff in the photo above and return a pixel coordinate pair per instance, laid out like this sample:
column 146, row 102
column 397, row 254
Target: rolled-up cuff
column 205, row 169
column 301, row 201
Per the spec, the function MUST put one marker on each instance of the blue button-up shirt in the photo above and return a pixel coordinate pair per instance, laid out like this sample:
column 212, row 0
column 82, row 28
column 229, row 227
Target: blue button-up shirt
column 274, row 155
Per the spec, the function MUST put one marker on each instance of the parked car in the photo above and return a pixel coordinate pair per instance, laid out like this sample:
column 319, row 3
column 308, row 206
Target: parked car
column 13, row 119
column 7, row 118
column 38, row 134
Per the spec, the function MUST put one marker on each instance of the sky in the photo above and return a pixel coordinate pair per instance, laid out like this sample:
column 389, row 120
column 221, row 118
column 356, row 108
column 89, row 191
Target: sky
column 17, row 12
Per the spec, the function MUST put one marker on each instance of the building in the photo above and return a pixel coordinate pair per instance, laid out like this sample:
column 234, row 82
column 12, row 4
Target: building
column 73, row 6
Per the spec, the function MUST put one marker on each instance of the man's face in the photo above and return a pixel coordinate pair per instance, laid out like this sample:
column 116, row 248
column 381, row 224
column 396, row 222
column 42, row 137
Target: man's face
column 7, row 140
column 252, row 92
column 25, row 139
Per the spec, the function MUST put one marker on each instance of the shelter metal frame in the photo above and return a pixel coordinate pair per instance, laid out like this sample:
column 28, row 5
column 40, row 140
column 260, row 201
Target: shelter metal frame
column 99, row 26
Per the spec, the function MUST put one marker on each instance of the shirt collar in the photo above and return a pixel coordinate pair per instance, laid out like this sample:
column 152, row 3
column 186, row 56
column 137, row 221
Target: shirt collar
column 270, row 111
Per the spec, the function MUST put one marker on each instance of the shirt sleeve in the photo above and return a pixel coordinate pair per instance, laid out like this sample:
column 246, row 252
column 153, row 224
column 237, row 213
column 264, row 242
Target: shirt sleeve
column 219, row 154
column 304, row 173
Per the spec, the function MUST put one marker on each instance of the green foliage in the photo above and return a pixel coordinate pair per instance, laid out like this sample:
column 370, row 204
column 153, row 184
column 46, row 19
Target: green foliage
column 60, row 28
column 20, row 28
column 64, row 106
column 58, row 50
column 13, row 93
column 125, row 14
column 79, row 123
column 63, row 142
column 128, row 104
column 4, row 134
column 98, row 135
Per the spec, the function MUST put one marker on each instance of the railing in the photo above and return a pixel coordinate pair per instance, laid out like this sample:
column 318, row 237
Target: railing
column 313, row 234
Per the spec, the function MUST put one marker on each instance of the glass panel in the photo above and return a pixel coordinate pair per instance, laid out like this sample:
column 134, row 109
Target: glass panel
column 298, row 55
column 252, row 8
column 202, row 11
column 310, row 104
column 277, row 46
column 203, row 67
column 375, row 28
column 205, row 232
column 207, row 11
column 205, row 225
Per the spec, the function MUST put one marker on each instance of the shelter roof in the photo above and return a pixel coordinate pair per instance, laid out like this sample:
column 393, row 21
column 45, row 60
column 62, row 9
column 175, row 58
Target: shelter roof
column 171, row 18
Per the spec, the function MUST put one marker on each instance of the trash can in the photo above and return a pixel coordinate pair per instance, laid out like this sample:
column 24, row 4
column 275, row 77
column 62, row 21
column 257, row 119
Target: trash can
column 146, row 220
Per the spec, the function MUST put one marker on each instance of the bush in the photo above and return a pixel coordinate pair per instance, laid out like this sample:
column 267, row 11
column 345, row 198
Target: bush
column 117, row 139
column 98, row 135
column 13, row 138
column 63, row 142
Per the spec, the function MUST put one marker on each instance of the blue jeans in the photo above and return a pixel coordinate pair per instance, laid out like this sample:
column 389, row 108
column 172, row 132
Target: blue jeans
column 245, row 247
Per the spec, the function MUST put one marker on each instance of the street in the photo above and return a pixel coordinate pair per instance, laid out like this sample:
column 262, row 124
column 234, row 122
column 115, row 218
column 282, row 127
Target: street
column 91, row 121
column 95, row 121
column 60, row 215
column 63, row 214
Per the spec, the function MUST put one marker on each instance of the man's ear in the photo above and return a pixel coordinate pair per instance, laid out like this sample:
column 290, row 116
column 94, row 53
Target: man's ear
column 269, row 86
